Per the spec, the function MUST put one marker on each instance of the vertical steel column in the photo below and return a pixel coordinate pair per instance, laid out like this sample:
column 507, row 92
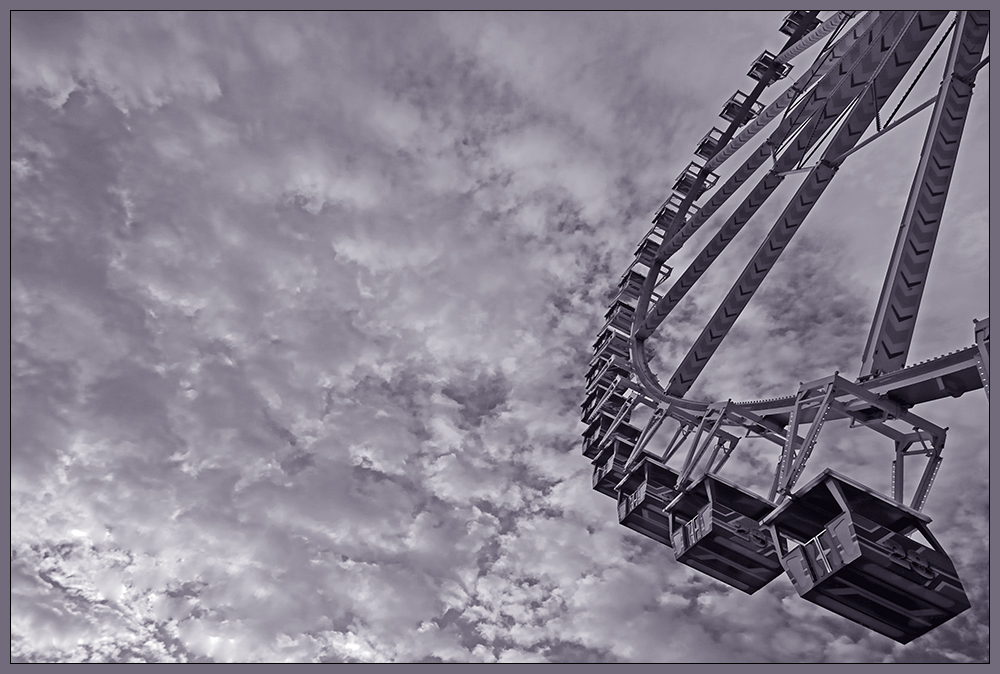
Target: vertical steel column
column 696, row 453
column 680, row 435
column 983, row 344
column 625, row 411
column 813, row 436
column 648, row 432
column 897, row 470
column 930, row 472
column 612, row 389
column 731, row 445
column 788, row 449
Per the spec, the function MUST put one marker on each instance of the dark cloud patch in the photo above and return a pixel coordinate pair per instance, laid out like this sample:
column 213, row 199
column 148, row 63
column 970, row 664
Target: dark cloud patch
column 480, row 395
column 297, row 462
column 279, row 430
column 452, row 621
column 188, row 589
column 132, row 395
column 404, row 388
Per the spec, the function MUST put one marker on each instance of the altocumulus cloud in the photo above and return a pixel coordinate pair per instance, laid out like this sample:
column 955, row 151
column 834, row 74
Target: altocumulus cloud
column 301, row 305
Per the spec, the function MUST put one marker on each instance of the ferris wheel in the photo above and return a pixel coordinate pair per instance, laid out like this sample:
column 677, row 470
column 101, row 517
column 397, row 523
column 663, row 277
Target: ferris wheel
column 867, row 556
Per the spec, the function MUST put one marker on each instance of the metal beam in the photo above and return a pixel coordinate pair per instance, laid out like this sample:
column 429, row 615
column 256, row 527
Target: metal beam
column 894, row 58
column 647, row 434
column 811, row 438
column 897, row 471
column 792, row 441
column 818, row 111
column 826, row 60
column 623, row 413
column 896, row 312
column 983, row 349
column 696, row 453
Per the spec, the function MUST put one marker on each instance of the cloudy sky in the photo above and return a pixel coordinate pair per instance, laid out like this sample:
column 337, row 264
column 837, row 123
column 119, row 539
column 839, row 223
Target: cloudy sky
column 301, row 306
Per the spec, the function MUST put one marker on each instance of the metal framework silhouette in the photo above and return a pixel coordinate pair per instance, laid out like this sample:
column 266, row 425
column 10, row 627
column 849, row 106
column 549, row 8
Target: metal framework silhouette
column 866, row 556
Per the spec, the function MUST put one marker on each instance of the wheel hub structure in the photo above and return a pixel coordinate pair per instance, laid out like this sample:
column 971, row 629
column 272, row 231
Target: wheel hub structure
column 867, row 556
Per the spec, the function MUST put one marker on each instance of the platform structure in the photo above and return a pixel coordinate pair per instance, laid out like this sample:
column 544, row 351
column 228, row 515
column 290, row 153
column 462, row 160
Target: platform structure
column 604, row 370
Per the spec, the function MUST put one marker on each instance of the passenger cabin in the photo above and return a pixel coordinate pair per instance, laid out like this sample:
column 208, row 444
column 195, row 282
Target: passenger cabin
column 619, row 316
column 657, row 233
column 797, row 18
column 709, row 145
column 595, row 432
column 609, row 343
column 762, row 66
column 606, row 369
column 735, row 103
column 642, row 495
column 630, row 297
column 668, row 210
column 688, row 178
column 856, row 556
column 609, row 466
column 645, row 253
column 627, row 296
column 631, row 284
column 715, row 530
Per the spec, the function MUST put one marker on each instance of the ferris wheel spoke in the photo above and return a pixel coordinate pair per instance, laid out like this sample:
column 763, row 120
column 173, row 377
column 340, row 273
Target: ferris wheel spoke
column 815, row 75
column 767, row 69
column 896, row 313
column 676, row 233
column 894, row 59
column 826, row 104
column 673, row 224
column 848, row 53
column 815, row 36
